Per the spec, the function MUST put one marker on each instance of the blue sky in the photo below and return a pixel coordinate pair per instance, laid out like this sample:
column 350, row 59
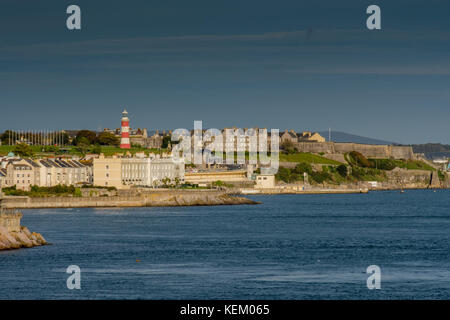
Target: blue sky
column 305, row 65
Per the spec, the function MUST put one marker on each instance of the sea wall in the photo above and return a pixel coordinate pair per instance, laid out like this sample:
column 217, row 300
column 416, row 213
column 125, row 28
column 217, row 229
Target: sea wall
column 211, row 176
column 419, row 178
column 150, row 199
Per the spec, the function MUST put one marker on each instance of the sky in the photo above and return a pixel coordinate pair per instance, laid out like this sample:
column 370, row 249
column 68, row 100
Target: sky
column 302, row 65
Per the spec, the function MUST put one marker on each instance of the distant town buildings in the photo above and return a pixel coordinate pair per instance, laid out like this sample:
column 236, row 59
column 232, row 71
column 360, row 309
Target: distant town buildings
column 241, row 139
column 305, row 136
column 140, row 138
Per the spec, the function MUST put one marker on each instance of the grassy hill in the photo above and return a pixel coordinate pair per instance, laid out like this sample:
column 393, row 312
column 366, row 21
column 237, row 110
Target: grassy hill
column 307, row 158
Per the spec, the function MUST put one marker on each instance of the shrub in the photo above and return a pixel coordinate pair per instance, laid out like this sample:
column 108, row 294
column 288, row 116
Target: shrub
column 23, row 150
column 287, row 146
column 383, row 164
column 359, row 159
column 302, row 168
column 283, row 174
column 287, row 175
column 50, row 149
column 77, row 192
column 342, row 170
column 220, row 183
column 97, row 149
column 321, row 177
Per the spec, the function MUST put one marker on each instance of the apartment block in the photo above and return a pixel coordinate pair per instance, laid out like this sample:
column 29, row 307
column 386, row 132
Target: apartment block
column 124, row 172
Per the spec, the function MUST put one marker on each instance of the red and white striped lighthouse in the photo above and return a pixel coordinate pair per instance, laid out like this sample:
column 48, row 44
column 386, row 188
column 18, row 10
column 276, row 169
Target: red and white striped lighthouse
column 125, row 131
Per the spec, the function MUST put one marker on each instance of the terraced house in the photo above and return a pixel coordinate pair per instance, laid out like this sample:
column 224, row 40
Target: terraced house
column 24, row 173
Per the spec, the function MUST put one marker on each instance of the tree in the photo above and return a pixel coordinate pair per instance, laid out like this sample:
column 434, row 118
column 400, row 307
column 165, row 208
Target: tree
column 97, row 149
column 52, row 149
column 65, row 138
column 288, row 176
column 83, row 144
column 166, row 141
column 166, row 182
column 108, row 139
column 321, row 177
column 7, row 137
column 91, row 136
column 342, row 170
column 288, row 146
column 283, row 174
column 302, row 168
column 23, row 150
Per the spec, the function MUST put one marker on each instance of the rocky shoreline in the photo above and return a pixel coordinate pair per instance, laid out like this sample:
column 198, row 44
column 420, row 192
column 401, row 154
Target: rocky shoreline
column 15, row 236
column 22, row 239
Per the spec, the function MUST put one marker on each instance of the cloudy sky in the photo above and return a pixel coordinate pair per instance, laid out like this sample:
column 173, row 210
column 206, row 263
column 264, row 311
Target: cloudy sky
column 305, row 65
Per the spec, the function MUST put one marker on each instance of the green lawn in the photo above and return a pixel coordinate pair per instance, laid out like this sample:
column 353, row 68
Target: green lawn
column 107, row 150
column 414, row 165
column 307, row 158
column 390, row 164
column 4, row 150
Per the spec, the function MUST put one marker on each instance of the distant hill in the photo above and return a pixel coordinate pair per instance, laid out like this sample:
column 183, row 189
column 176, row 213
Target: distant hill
column 338, row 136
column 433, row 150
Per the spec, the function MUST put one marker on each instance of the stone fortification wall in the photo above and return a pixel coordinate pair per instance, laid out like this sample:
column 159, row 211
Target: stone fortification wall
column 10, row 220
column 368, row 150
column 316, row 147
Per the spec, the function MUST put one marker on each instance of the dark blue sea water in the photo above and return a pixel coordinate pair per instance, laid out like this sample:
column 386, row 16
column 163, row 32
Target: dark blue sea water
column 289, row 247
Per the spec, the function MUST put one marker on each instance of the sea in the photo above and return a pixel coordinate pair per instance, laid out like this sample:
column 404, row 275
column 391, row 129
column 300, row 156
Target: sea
column 288, row 247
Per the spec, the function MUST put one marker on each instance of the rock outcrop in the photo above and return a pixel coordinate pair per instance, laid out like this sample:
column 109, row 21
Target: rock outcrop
column 15, row 236
column 20, row 239
column 198, row 199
